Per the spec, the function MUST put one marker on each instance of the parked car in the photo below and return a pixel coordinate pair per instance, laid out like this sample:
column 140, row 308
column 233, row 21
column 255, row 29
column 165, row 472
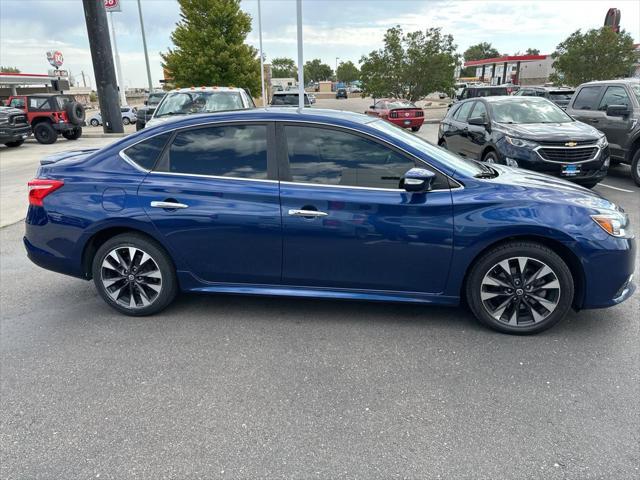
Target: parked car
column 526, row 132
column 355, row 89
column 402, row 113
column 144, row 114
column 558, row 95
column 189, row 101
column 312, row 98
column 341, row 93
column 129, row 115
column 14, row 127
column 613, row 107
column 474, row 91
column 50, row 114
column 289, row 99
column 305, row 202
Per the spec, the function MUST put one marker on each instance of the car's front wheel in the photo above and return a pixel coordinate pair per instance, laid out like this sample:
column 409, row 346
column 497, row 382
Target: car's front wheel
column 94, row 122
column 134, row 275
column 490, row 157
column 635, row 168
column 520, row 288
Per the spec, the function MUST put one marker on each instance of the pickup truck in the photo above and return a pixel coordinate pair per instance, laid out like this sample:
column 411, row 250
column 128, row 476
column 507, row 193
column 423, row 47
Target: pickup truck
column 14, row 128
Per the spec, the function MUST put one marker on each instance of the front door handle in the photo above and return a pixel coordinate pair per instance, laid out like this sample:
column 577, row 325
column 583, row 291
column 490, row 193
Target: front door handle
column 307, row 213
column 169, row 205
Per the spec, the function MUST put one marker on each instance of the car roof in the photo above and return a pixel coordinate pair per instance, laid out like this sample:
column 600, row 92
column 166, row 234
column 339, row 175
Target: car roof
column 504, row 98
column 205, row 89
column 549, row 88
column 617, row 81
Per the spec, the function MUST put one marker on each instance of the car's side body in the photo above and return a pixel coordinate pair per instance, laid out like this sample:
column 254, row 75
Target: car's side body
column 240, row 235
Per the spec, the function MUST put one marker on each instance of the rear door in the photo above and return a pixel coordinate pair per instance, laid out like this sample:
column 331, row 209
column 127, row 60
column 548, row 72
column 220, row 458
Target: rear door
column 616, row 128
column 214, row 198
column 346, row 221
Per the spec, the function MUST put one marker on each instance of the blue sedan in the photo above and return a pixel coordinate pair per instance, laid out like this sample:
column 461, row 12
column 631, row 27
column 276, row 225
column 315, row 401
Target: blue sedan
column 319, row 203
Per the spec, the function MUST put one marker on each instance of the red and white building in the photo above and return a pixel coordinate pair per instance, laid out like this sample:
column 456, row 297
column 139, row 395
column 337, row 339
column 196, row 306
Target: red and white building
column 516, row 69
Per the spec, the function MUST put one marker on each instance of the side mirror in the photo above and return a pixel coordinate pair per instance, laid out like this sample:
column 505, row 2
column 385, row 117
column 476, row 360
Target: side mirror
column 479, row 121
column 418, row 180
column 618, row 111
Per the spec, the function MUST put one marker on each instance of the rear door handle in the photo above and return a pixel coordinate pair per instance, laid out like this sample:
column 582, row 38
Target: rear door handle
column 169, row 205
column 307, row 213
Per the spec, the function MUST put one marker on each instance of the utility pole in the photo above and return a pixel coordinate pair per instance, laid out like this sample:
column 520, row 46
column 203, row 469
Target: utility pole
column 337, row 58
column 123, row 97
column 84, row 82
column 144, row 45
column 98, row 31
column 264, row 95
column 300, row 56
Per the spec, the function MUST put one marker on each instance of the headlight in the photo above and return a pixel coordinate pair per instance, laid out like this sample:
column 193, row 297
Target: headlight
column 602, row 141
column 615, row 224
column 519, row 142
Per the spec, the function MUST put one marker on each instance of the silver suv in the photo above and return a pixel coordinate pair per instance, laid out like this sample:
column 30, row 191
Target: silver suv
column 613, row 107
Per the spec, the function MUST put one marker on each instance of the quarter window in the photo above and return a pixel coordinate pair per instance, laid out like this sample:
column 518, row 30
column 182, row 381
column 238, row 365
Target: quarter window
column 614, row 96
column 146, row 153
column 223, row 151
column 333, row 157
column 587, row 98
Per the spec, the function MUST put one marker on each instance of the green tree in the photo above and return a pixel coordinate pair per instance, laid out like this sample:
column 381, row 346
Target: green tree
column 410, row 65
column 9, row 69
column 317, row 71
column 532, row 51
column 598, row 54
column 479, row 51
column 347, row 72
column 210, row 46
column 283, row 67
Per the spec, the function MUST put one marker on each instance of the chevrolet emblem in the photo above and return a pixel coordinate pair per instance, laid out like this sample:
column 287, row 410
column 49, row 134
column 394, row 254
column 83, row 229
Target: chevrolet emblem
column 570, row 144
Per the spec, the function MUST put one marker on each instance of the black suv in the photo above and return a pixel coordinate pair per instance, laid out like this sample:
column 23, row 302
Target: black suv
column 475, row 91
column 145, row 113
column 526, row 132
column 341, row 93
column 613, row 107
column 14, row 127
column 561, row 96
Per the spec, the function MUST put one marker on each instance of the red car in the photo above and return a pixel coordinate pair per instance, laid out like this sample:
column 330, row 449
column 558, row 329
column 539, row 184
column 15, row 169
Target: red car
column 402, row 113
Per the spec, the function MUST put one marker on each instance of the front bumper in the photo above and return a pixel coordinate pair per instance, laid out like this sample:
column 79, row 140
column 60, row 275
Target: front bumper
column 407, row 122
column 12, row 134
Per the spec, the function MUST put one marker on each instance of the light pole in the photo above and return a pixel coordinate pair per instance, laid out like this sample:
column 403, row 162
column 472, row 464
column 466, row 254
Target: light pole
column 300, row 66
column 337, row 58
column 264, row 95
column 144, row 45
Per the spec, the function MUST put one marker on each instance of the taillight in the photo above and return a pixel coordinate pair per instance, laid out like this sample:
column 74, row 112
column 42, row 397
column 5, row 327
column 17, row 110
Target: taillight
column 393, row 114
column 38, row 189
column 419, row 113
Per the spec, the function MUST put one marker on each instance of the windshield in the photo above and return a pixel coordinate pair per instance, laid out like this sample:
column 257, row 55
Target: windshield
column 463, row 166
column 288, row 99
column 186, row 103
column 528, row 110
column 401, row 104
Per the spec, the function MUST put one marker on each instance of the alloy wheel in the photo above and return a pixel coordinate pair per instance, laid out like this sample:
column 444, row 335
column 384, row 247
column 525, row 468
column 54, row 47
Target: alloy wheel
column 520, row 291
column 131, row 277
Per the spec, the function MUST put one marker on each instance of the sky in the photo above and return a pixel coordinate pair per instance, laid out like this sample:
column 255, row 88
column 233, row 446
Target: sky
column 331, row 28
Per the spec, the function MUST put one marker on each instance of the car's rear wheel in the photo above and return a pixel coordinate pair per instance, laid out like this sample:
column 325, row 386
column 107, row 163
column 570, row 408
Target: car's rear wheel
column 74, row 134
column 635, row 168
column 443, row 143
column 520, row 288
column 134, row 275
column 415, row 129
column 45, row 133
column 15, row 143
column 126, row 120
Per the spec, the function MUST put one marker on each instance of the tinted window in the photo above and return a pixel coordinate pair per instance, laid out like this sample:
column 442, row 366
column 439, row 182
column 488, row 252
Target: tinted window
column 587, row 98
column 614, row 96
column 479, row 110
column 224, row 151
column 288, row 99
column 332, row 157
column 463, row 112
column 146, row 153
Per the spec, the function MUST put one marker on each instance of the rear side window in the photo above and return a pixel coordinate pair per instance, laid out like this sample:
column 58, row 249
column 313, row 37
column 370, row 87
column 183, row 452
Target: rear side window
column 145, row 154
column 587, row 98
column 224, row 151
column 615, row 95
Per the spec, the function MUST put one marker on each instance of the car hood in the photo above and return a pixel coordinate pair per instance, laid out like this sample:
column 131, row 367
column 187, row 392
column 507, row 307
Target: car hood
column 543, row 187
column 160, row 120
column 6, row 111
column 552, row 132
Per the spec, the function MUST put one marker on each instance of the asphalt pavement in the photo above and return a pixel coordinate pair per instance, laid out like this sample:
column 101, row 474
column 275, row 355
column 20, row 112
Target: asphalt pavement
column 240, row 387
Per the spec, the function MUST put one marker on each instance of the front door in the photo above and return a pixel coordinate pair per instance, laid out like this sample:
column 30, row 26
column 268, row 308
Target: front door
column 347, row 224
column 476, row 134
column 616, row 128
column 214, row 200
column 458, row 132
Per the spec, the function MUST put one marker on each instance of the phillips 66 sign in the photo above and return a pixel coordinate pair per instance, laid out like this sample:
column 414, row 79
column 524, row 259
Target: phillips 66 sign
column 55, row 58
column 112, row 5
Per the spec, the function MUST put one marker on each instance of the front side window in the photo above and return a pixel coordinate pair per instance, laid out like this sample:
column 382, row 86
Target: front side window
column 463, row 112
column 17, row 103
column 479, row 110
column 333, row 157
column 587, row 98
column 224, row 151
column 145, row 154
column 615, row 95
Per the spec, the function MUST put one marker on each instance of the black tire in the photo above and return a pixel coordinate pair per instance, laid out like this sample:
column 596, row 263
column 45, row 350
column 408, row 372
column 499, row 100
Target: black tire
column 589, row 184
column 126, row 121
column 45, row 133
column 75, row 113
column 161, row 262
column 415, row 129
column 536, row 255
column 443, row 144
column 635, row 167
column 491, row 157
column 94, row 122
column 15, row 143
column 74, row 134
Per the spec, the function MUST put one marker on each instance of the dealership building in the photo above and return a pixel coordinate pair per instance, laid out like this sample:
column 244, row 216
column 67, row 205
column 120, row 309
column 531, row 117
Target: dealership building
column 516, row 69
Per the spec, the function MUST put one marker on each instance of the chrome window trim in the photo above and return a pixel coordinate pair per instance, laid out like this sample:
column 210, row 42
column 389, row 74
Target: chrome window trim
column 379, row 189
column 217, row 177
column 595, row 156
column 128, row 159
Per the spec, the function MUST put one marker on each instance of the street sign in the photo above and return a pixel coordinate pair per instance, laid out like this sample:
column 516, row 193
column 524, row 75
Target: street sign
column 112, row 5
column 58, row 73
column 55, row 58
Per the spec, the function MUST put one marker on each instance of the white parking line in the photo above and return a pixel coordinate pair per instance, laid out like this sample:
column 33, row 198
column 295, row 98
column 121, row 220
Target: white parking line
column 615, row 188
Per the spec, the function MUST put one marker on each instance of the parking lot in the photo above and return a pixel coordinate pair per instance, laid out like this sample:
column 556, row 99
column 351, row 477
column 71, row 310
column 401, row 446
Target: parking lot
column 239, row 387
